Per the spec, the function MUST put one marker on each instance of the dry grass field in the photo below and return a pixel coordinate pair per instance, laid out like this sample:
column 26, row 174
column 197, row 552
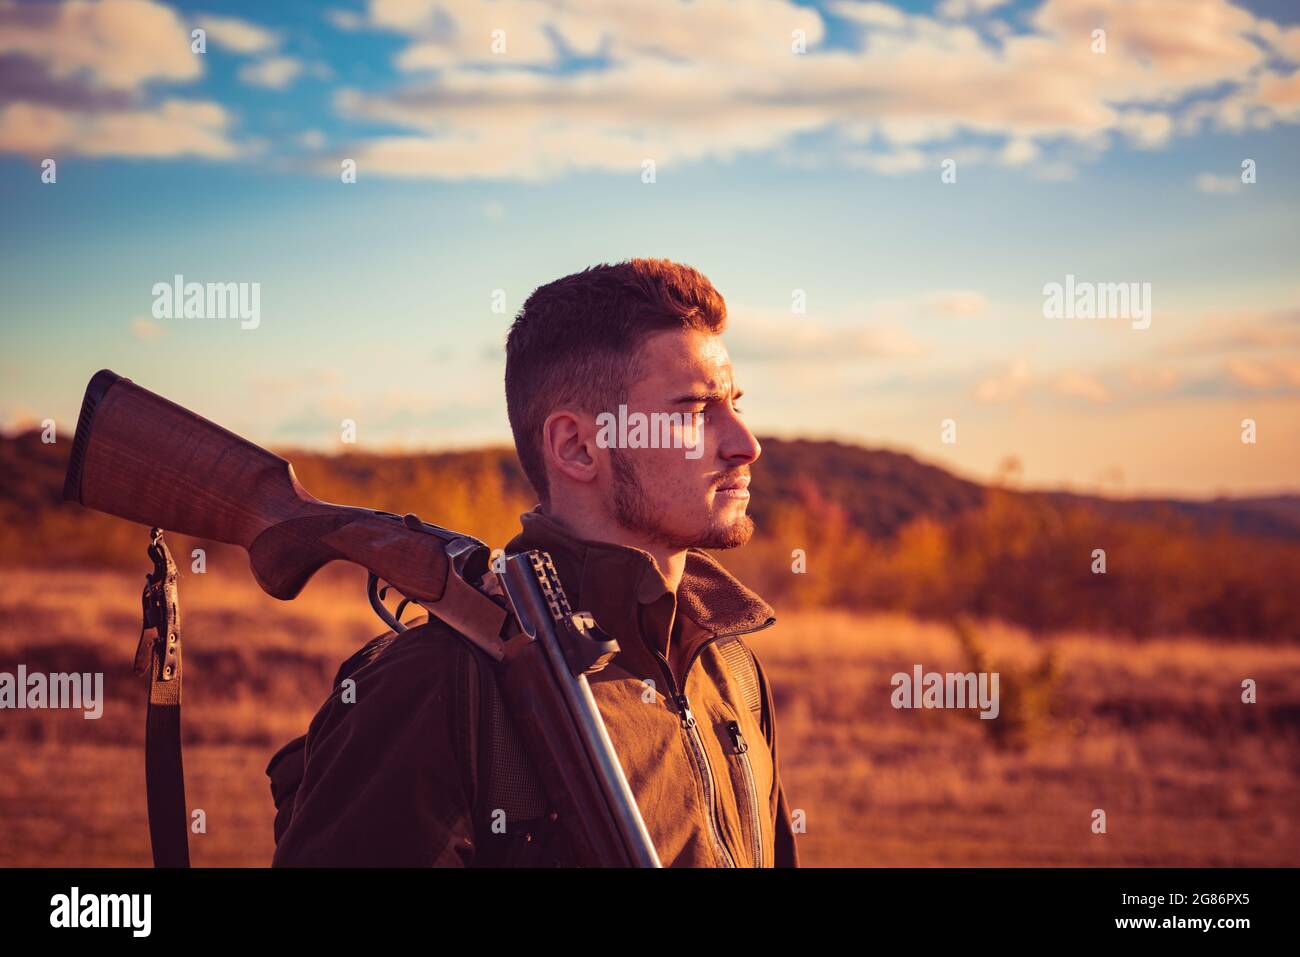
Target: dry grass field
column 1152, row 732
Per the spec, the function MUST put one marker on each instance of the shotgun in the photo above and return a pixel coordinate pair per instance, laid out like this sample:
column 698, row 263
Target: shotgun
column 143, row 458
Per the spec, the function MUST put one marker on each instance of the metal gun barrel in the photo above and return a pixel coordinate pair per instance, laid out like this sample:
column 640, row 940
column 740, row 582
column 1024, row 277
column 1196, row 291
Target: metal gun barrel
column 535, row 612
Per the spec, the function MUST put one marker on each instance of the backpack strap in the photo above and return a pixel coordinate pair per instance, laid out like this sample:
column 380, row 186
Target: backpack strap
column 743, row 668
column 507, row 780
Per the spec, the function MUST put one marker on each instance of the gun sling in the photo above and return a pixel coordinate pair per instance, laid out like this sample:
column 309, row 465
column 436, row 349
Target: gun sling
column 160, row 655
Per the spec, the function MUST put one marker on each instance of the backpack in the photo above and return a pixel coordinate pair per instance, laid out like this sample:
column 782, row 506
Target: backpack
column 511, row 782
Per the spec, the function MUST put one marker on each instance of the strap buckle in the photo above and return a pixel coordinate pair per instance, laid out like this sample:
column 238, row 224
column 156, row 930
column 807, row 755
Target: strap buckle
column 160, row 611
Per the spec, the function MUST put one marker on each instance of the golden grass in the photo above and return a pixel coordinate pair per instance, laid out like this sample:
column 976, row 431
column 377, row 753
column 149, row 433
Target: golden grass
column 1152, row 732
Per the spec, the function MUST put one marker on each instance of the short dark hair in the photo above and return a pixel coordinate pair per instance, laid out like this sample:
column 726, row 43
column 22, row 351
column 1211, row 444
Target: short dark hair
column 575, row 342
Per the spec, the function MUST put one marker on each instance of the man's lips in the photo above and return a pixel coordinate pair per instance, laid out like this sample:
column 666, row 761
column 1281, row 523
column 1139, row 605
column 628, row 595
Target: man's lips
column 735, row 488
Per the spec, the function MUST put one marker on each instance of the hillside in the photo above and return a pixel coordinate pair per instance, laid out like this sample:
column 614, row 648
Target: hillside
column 879, row 529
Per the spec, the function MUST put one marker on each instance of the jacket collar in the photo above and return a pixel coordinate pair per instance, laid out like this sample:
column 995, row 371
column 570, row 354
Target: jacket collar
column 622, row 588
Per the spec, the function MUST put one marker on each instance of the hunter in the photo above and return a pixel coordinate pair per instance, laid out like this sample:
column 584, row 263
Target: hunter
column 417, row 765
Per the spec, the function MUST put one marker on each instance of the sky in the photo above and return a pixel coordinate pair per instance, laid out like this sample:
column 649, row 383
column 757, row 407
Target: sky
column 882, row 193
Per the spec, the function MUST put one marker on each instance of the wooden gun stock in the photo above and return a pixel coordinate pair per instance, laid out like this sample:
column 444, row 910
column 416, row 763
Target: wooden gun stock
column 140, row 457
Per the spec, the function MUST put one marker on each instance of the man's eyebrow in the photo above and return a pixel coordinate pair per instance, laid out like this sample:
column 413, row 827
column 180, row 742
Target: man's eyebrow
column 711, row 395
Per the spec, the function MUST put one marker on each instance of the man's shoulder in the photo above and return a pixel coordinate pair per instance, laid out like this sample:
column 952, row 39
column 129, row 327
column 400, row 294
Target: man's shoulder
column 395, row 673
column 426, row 680
column 388, row 764
column 422, row 651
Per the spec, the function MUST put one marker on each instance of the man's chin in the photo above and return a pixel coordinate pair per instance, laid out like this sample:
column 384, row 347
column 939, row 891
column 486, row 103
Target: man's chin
column 731, row 535
column 718, row 535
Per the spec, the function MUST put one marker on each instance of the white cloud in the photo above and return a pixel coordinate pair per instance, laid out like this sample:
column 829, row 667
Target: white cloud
column 1079, row 385
column 147, row 329
column 962, row 9
column 1019, row 152
column 175, row 128
column 1147, row 130
column 1017, row 381
column 1155, row 379
column 874, row 14
column 718, row 79
column 345, row 20
column 117, row 44
column 274, row 73
column 1006, row 386
column 239, row 36
column 1212, row 183
column 958, row 302
column 103, row 57
column 1248, row 330
column 795, row 337
column 1265, row 373
column 888, row 161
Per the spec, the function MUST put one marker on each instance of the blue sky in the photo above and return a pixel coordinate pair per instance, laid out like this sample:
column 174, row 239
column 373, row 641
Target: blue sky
column 480, row 171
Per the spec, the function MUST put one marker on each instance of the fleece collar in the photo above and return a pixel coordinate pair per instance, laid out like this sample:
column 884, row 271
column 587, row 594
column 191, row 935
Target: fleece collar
column 622, row 588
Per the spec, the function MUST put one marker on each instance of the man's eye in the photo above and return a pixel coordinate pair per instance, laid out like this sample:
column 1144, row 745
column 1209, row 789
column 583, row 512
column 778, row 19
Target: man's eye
column 705, row 411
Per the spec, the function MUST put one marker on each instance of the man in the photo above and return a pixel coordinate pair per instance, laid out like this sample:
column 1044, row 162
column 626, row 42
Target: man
column 402, row 773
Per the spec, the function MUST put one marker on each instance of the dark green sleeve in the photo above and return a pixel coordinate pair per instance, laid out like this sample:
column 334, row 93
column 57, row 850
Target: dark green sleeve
column 389, row 780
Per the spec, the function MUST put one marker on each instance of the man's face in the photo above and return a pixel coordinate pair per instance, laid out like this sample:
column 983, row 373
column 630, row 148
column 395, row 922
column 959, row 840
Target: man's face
column 695, row 495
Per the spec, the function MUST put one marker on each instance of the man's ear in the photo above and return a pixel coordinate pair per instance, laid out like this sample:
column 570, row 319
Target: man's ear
column 569, row 445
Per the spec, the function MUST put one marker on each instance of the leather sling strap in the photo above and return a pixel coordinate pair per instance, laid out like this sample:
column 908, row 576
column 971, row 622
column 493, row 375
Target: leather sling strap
column 159, row 655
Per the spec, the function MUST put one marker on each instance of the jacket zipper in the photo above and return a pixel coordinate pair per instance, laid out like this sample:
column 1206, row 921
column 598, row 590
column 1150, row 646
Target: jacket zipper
column 751, row 789
column 697, row 743
column 706, row 772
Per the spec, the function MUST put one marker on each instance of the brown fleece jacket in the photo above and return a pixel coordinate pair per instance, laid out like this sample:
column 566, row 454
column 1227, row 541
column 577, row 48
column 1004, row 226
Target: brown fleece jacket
column 394, row 778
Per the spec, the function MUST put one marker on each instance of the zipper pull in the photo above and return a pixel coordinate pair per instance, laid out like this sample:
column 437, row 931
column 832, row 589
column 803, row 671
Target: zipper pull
column 684, row 710
column 738, row 739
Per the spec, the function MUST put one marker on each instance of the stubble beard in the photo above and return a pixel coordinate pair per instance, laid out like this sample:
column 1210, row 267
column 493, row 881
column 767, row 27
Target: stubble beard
column 634, row 512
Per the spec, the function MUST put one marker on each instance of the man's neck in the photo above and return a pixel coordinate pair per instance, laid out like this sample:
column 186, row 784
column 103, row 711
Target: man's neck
column 671, row 562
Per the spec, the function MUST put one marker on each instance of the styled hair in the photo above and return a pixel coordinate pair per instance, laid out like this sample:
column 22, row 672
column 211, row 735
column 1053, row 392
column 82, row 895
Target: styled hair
column 576, row 342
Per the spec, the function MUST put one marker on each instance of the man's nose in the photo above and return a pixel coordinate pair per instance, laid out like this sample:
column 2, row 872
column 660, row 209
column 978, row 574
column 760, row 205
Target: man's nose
column 738, row 445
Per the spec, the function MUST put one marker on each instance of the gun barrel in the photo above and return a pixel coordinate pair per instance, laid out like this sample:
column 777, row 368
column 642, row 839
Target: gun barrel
column 604, row 812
